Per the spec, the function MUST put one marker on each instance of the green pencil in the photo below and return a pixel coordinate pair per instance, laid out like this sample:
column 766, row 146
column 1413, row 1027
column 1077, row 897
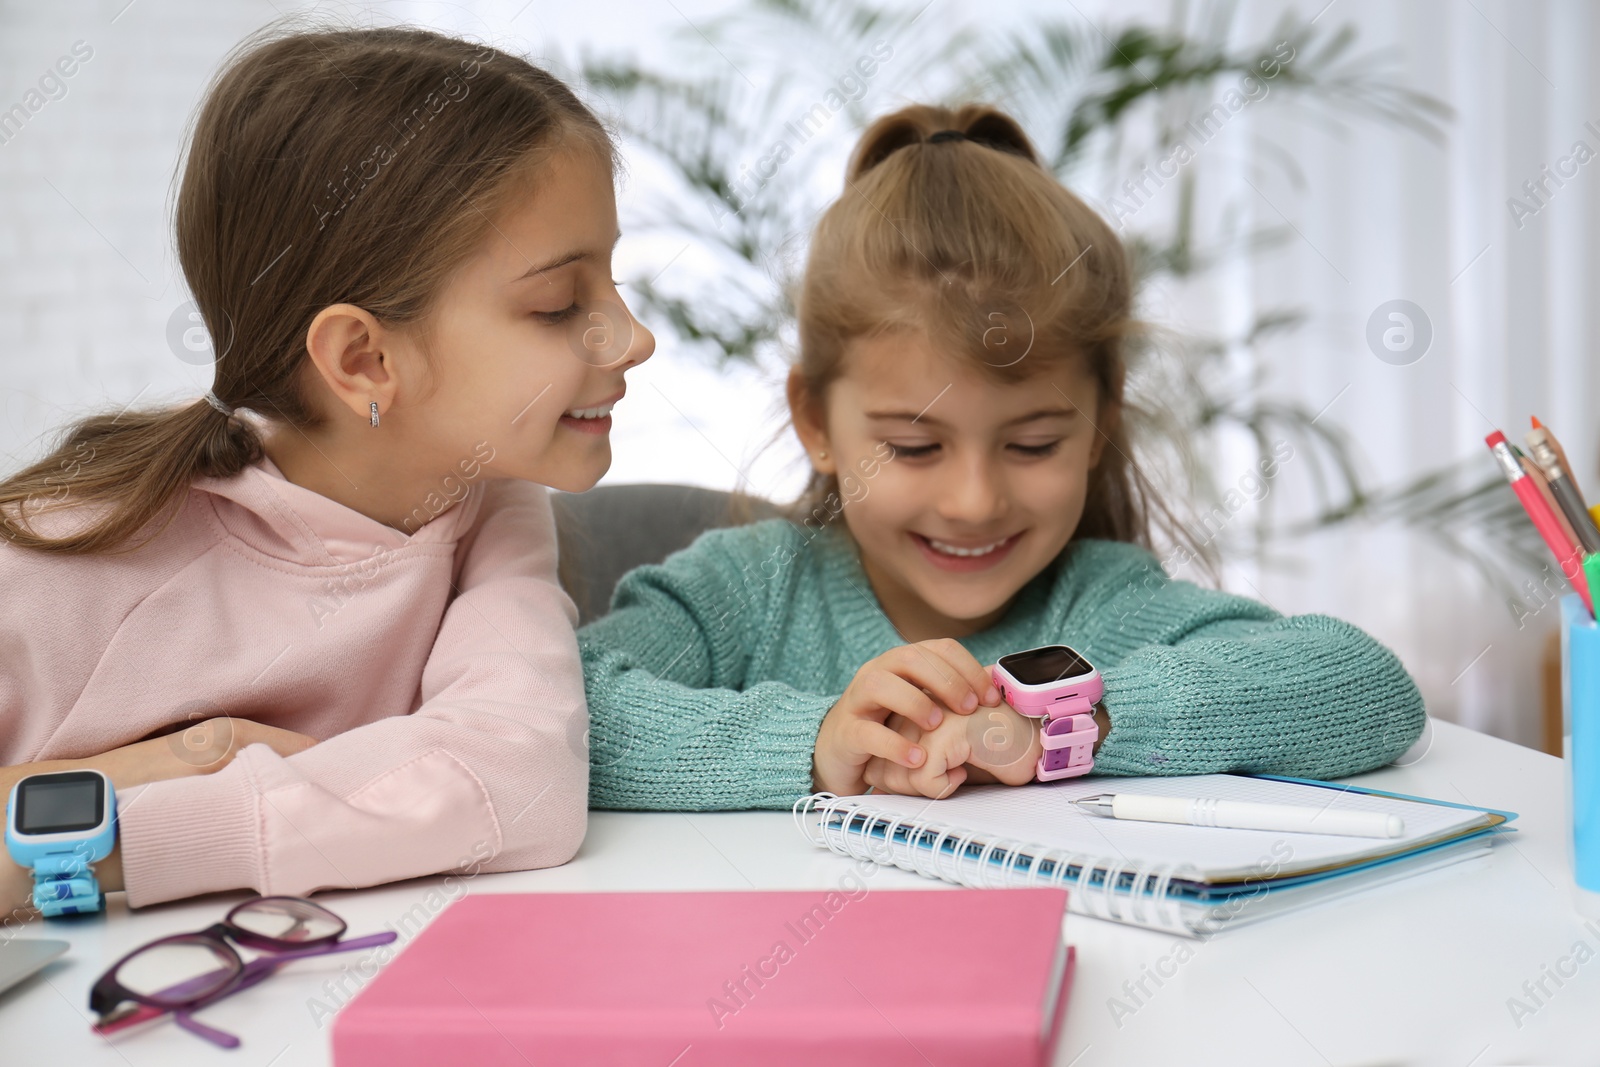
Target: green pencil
column 1591, row 571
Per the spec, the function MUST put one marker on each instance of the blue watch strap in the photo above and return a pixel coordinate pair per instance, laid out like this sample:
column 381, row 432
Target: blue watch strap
column 67, row 894
column 64, row 883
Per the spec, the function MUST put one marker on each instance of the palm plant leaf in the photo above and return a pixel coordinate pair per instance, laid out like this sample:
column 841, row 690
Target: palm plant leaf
column 744, row 204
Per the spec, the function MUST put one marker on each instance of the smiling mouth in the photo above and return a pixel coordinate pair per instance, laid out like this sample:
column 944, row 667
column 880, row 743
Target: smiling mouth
column 591, row 413
column 954, row 557
column 973, row 551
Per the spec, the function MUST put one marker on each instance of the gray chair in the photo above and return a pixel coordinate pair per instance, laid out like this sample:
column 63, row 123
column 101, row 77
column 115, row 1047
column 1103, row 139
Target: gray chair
column 606, row 532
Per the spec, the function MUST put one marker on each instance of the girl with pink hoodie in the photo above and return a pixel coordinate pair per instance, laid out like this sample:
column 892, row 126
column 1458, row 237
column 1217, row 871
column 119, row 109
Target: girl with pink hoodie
column 309, row 624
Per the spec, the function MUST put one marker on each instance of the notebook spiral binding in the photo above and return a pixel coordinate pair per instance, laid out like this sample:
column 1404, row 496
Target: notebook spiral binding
column 844, row 825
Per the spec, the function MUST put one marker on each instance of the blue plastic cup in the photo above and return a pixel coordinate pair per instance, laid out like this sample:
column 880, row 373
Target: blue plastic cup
column 1580, row 711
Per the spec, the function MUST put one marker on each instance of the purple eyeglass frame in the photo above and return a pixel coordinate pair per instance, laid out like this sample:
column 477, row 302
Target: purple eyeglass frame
column 186, row 998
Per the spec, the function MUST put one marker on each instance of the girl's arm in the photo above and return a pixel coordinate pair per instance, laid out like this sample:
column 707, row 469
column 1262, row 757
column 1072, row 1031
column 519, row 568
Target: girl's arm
column 487, row 772
column 1199, row 681
column 205, row 747
column 199, row 749
column 672, row 726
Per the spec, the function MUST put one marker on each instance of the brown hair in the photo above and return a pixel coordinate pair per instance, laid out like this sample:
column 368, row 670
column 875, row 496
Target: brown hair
column 326, row 166
column 958, row 235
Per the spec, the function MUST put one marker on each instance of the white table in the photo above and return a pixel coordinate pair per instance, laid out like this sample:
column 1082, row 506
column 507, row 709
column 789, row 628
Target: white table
column 1415, row 973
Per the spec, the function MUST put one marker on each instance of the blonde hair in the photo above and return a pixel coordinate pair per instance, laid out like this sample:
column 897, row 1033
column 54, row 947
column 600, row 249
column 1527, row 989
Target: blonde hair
column 339, row 165
column 969, row 238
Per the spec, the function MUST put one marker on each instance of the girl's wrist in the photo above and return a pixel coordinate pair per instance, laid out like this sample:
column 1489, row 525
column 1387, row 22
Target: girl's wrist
column 10, row 776
column 108, row 872
column 1010, row 763
column 1035, row 742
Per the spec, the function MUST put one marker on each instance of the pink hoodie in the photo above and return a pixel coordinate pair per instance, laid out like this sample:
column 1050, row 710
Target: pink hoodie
column 439, row 672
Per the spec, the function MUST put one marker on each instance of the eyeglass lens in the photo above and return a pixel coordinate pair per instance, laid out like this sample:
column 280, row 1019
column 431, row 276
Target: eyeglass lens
column 286, row 919
column 178, row 971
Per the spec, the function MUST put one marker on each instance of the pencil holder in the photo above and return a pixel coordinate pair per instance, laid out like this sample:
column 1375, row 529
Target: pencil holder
column 1580, row 710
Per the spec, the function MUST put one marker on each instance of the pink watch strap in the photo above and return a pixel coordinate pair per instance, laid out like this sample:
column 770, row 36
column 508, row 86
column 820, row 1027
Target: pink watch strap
column 1068, row 746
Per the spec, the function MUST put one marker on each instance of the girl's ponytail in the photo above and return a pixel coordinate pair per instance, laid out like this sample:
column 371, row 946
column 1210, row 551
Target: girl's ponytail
column 135, row 464
column 920, row 124
column 354, row 166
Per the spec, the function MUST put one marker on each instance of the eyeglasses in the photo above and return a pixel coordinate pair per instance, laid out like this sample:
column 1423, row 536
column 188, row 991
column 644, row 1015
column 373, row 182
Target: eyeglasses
column 184, row 973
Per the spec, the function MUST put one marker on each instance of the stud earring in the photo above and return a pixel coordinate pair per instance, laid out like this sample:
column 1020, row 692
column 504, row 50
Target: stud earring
column 822, row 453
column 373, row 406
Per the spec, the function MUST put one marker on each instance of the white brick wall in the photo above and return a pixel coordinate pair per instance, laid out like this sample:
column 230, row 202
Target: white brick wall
column 88, row 278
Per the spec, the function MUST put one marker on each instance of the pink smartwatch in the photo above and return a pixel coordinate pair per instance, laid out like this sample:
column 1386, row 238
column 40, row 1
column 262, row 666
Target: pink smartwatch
column 1055, row 683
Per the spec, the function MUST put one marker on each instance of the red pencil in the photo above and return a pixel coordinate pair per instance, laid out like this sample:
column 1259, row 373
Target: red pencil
column 1568, row 555
column 1536, row 476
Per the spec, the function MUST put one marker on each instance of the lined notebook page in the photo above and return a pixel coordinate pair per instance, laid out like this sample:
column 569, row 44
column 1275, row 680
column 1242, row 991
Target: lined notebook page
column 1041, row 816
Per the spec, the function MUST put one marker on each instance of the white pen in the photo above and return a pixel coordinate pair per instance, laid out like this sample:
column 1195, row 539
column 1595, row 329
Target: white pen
column 1243, row 815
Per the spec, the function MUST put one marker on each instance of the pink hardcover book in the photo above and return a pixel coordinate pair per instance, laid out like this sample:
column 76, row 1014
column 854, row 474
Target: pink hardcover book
column 954, row 978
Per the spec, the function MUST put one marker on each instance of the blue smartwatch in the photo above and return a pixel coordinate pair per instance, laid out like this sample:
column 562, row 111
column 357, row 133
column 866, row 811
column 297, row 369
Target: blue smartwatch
column 59, row 824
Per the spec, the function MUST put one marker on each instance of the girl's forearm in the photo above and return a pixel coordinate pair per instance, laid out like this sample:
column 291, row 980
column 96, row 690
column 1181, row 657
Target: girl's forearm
column 130, row 765
column 201, row 749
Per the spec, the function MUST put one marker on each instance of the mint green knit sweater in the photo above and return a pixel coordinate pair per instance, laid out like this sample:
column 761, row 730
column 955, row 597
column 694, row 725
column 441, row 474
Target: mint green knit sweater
column 708, row 679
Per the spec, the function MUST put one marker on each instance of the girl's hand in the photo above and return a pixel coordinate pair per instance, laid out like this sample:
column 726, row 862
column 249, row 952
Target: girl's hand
column 942, row 771
column 919, row 682
column 997, row 745
column 209, row 746
column 283, row 742
column 199, row 748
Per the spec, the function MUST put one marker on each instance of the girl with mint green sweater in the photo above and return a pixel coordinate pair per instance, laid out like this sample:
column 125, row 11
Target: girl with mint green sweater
column 959, row 392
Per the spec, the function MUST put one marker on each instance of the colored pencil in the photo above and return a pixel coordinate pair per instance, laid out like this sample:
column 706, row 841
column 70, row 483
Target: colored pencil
column 1545, row 452
column 1546, row 519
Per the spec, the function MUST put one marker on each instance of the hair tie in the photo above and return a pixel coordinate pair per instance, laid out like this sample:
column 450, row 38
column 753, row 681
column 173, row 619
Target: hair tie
column 211, row 398
column 948, row 135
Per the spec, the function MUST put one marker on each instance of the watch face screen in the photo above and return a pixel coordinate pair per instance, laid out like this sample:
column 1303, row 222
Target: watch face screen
column 60, row 805
column 1044, row 666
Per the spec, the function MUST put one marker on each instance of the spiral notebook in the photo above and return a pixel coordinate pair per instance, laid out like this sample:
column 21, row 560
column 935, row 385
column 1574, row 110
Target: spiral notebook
column 1187, row 880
